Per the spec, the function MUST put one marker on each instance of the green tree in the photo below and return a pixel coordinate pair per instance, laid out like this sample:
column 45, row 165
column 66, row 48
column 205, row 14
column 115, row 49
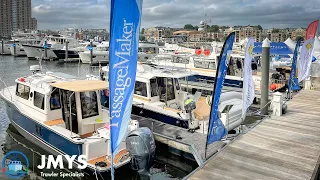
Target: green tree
column 214, row 28
column 224, row 38
column 259, row 27
column 225, row 27
column 142, row 31
column 196, row 28
column 275, row 31
column 188, row 26
column 142, row 38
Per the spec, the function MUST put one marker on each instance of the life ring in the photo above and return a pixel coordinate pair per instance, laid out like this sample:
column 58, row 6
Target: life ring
column 106, row 92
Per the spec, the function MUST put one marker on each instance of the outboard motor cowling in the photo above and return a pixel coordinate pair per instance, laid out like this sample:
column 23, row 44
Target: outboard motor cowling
column 141, row 146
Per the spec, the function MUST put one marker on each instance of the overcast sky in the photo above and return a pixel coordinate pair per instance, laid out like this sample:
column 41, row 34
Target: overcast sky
column 59, row 14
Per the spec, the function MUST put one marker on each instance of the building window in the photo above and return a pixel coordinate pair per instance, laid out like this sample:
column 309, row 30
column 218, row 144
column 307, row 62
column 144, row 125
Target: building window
column 23, row 91
column 140, row 89
column 89, row 104
column 38, row 100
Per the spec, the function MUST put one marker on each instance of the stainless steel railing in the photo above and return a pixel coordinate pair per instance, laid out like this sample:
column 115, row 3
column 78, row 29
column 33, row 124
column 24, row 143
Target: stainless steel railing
column 5, row 87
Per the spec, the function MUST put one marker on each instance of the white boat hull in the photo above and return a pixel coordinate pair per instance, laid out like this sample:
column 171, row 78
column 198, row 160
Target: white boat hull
column 6, row 49
column 19, row 51
column 98, row 56
column 35, row 52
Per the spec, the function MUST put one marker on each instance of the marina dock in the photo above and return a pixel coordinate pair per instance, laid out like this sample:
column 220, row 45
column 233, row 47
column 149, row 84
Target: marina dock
column 285, row 147
column 192, row 143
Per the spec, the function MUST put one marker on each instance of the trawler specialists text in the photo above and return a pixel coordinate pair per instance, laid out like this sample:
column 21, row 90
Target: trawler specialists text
column 62, row 174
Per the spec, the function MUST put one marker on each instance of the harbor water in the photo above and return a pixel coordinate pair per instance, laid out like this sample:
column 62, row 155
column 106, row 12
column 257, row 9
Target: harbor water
column 166, row 166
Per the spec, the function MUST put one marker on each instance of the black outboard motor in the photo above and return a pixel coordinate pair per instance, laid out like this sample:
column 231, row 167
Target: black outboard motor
column 141, row 146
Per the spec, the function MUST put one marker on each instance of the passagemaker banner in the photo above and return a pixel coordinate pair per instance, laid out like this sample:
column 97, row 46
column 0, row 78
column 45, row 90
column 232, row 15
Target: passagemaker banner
column 306, row 59
column 248, row 85
column 124, row 40
column 312, row 30
column 293, row 84
column 216, row 129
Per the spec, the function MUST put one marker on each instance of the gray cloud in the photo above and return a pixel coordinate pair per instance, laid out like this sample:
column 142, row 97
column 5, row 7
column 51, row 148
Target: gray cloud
column 58, row 14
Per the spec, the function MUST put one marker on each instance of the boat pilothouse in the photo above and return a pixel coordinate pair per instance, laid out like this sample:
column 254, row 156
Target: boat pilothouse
column 159, row 95
column 63, row 115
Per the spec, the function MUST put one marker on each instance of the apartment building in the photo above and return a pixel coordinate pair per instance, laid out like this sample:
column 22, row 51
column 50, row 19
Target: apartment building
column 5, row 18
column 16, row 15
column 157, row 33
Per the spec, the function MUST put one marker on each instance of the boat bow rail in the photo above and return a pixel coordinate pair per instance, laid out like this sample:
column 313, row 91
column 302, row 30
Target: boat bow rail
column 4, row 87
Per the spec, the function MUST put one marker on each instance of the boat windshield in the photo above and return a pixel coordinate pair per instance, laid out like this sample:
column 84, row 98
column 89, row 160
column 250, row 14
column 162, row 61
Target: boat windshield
column 89, row 104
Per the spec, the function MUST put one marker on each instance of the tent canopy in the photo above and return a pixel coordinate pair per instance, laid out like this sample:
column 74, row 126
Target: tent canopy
column 279, row 48
column 289, row 42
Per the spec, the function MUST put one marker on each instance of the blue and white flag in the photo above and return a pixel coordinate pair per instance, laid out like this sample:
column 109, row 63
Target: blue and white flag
column 306, row 59
column 293, row 84
column 124, row 40
column 248, row 84
column 216, row 129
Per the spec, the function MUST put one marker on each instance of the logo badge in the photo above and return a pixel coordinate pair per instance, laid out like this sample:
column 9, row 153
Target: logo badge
column 250, row 49
column 309, row 46
column 15, row 164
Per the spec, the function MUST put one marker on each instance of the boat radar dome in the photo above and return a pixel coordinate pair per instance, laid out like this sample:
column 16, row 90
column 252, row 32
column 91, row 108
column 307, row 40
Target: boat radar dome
column 35, row 68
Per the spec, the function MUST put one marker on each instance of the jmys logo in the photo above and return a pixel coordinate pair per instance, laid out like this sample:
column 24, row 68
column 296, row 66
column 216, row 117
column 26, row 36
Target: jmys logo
column 15, row 164
column 58, row 161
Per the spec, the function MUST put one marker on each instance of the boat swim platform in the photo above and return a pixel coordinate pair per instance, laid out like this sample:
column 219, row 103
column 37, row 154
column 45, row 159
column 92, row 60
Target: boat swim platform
column 284, row 147
column 192, row 143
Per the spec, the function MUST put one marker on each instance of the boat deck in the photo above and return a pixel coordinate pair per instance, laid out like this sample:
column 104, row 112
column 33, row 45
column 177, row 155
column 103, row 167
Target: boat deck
column 209, row 87
column 285, row 147
column 193, row 143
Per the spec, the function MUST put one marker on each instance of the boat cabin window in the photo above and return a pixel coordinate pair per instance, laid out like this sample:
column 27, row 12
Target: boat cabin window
column 23, row 91
column 89, row 104
column 55, row 100
column 176, row 81
column 140, row 89
column 38, row 100
column 154, row 87
column 166, row 89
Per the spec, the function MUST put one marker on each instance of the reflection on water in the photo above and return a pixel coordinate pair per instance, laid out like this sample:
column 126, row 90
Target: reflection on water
column 167, row 166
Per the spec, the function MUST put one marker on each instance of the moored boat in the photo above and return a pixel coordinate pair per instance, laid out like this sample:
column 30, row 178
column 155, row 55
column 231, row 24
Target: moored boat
column 63, row 115
column 159, row 95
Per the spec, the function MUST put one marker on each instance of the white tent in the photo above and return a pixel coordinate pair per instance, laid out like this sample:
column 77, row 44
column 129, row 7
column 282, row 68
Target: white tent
column 290, row 43
column 244, row 41
column 316, row 48
column 316, row 44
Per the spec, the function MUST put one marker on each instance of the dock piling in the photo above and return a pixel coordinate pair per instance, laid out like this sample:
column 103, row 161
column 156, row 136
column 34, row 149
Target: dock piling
column 2, row 47
column 45, row 49
column 14, row 48
column 265, row 77
column 91, row 54
column 66, row 51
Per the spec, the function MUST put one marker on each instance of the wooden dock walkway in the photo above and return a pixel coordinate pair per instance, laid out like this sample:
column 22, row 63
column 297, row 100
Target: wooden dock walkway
column 286, row 147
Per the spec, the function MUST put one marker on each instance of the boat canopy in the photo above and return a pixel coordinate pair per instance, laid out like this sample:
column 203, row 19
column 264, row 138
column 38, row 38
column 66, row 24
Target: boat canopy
column 82, row 85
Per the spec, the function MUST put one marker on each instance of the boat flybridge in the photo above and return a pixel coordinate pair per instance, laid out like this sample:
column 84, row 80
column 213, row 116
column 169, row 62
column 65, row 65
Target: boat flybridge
column 159, row 95
column 63, row 115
